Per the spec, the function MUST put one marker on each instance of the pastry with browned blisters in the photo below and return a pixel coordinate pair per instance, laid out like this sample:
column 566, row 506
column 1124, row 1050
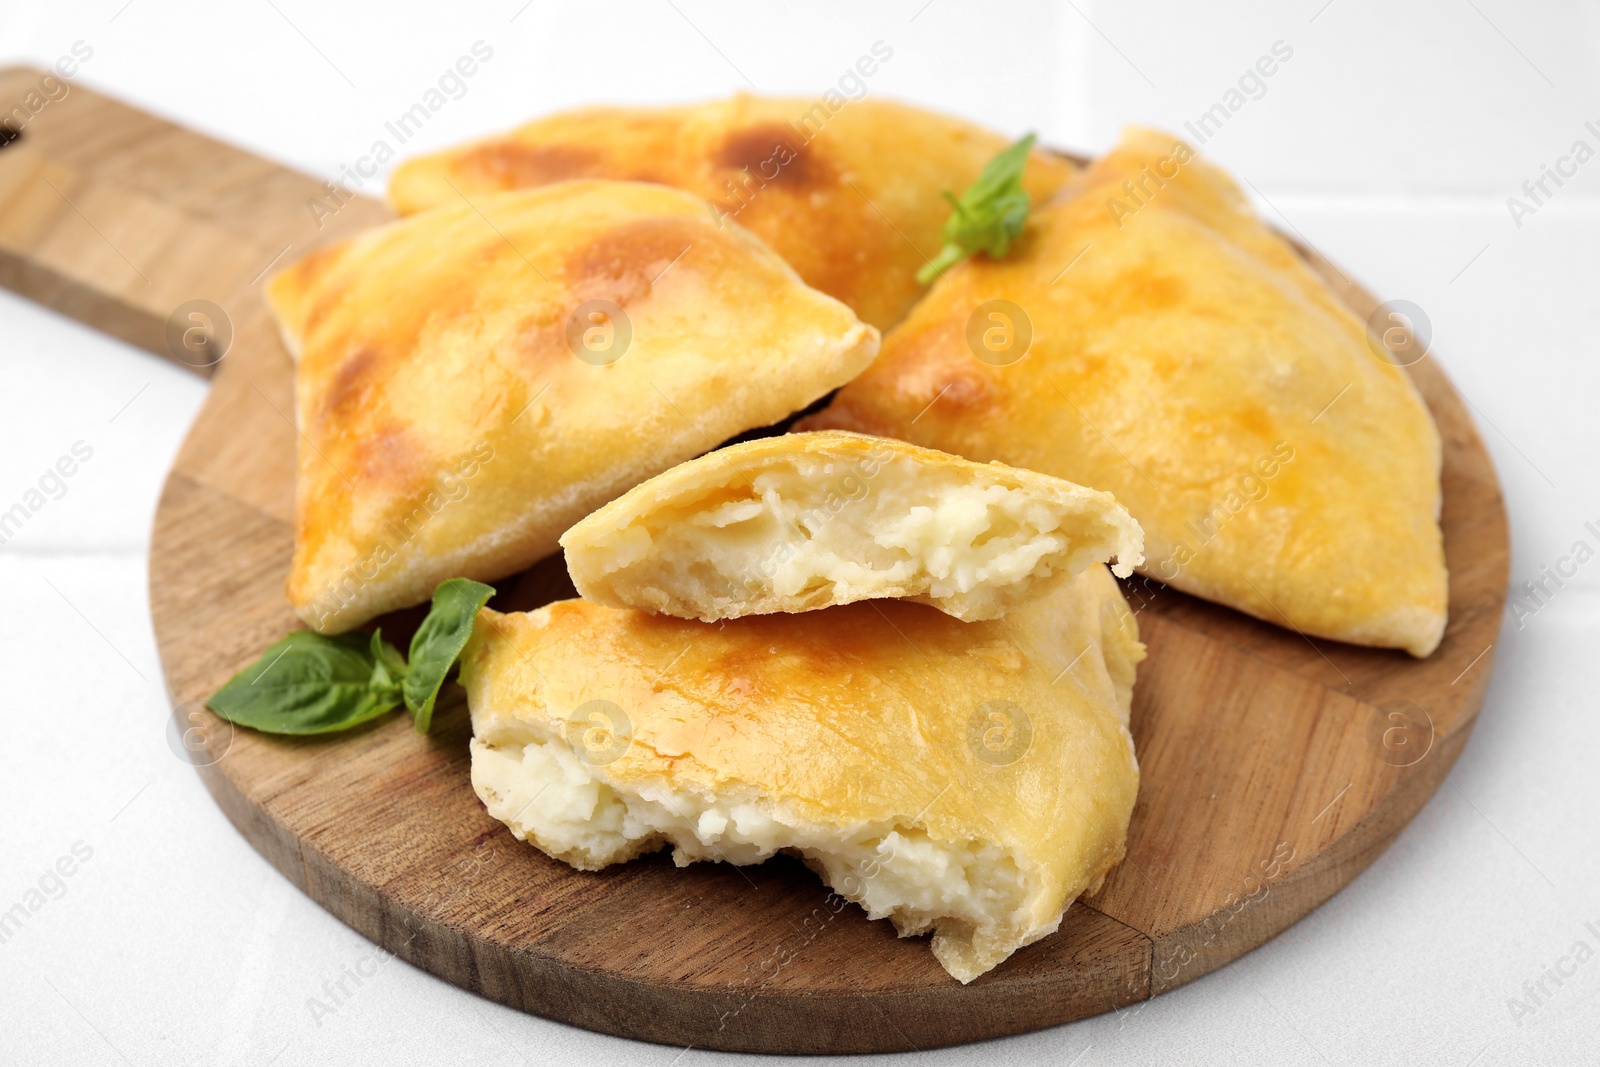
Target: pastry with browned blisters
column 1148, row 335
column 475, row 379
column 850, row 193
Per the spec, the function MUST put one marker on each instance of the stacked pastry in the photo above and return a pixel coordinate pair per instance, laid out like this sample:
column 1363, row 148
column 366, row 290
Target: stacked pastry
column 770, row 655
column 910, row 667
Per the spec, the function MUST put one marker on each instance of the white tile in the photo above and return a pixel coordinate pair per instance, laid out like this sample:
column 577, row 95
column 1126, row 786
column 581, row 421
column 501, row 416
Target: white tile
column 70, row 392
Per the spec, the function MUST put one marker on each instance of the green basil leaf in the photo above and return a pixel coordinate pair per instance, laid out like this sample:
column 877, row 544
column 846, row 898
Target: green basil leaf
column 438, row 643
column 389, row 669
column 308, row 683
column 989, row 215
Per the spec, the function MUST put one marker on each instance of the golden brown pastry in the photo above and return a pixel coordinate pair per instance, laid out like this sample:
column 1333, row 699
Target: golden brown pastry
column 1158, row 341
column 850, row 194
column 810, row 520
column 475, row 379
column 971, row 779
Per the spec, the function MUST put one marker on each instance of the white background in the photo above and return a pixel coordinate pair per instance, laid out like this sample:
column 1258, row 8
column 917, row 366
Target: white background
column 1391, row 140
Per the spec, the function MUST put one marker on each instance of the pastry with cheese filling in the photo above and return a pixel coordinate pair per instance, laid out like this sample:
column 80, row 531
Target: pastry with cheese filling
column 809, row 520
column 965, row 779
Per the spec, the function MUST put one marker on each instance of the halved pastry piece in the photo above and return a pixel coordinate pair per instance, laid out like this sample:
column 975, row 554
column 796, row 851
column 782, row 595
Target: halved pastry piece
column 475, row 379
column 849, row 193
column 968, row 779
column 809, row 520
column 1148, row 335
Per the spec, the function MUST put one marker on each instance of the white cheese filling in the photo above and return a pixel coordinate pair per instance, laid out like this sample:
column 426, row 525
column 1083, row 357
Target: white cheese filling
column 971, row 894
column 932, row 535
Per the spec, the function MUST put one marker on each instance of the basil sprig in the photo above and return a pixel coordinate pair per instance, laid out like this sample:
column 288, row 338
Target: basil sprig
column 989, row 215
column 309, row 683
column 438, row 644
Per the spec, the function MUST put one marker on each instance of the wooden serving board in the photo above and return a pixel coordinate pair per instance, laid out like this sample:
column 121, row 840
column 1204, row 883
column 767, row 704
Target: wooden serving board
column 1275, row 768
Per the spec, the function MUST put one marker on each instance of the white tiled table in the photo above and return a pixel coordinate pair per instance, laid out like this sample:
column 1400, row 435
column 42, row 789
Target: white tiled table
column 1391, row 140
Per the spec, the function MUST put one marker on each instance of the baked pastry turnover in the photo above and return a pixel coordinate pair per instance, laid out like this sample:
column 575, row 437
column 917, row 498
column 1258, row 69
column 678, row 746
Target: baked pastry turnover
column 476, row 378
column 1149, row 336
column 968, row 779
column 849, row 193
column 810, row 520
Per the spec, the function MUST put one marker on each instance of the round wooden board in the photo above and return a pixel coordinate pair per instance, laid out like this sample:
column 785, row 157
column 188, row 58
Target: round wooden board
column 1274, row 770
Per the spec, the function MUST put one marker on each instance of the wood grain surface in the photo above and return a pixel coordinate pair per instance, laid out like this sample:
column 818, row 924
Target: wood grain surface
column 1275, row 768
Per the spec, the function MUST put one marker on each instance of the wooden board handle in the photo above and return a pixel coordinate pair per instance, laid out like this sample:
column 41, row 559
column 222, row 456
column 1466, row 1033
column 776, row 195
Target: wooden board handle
column 125, row 222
